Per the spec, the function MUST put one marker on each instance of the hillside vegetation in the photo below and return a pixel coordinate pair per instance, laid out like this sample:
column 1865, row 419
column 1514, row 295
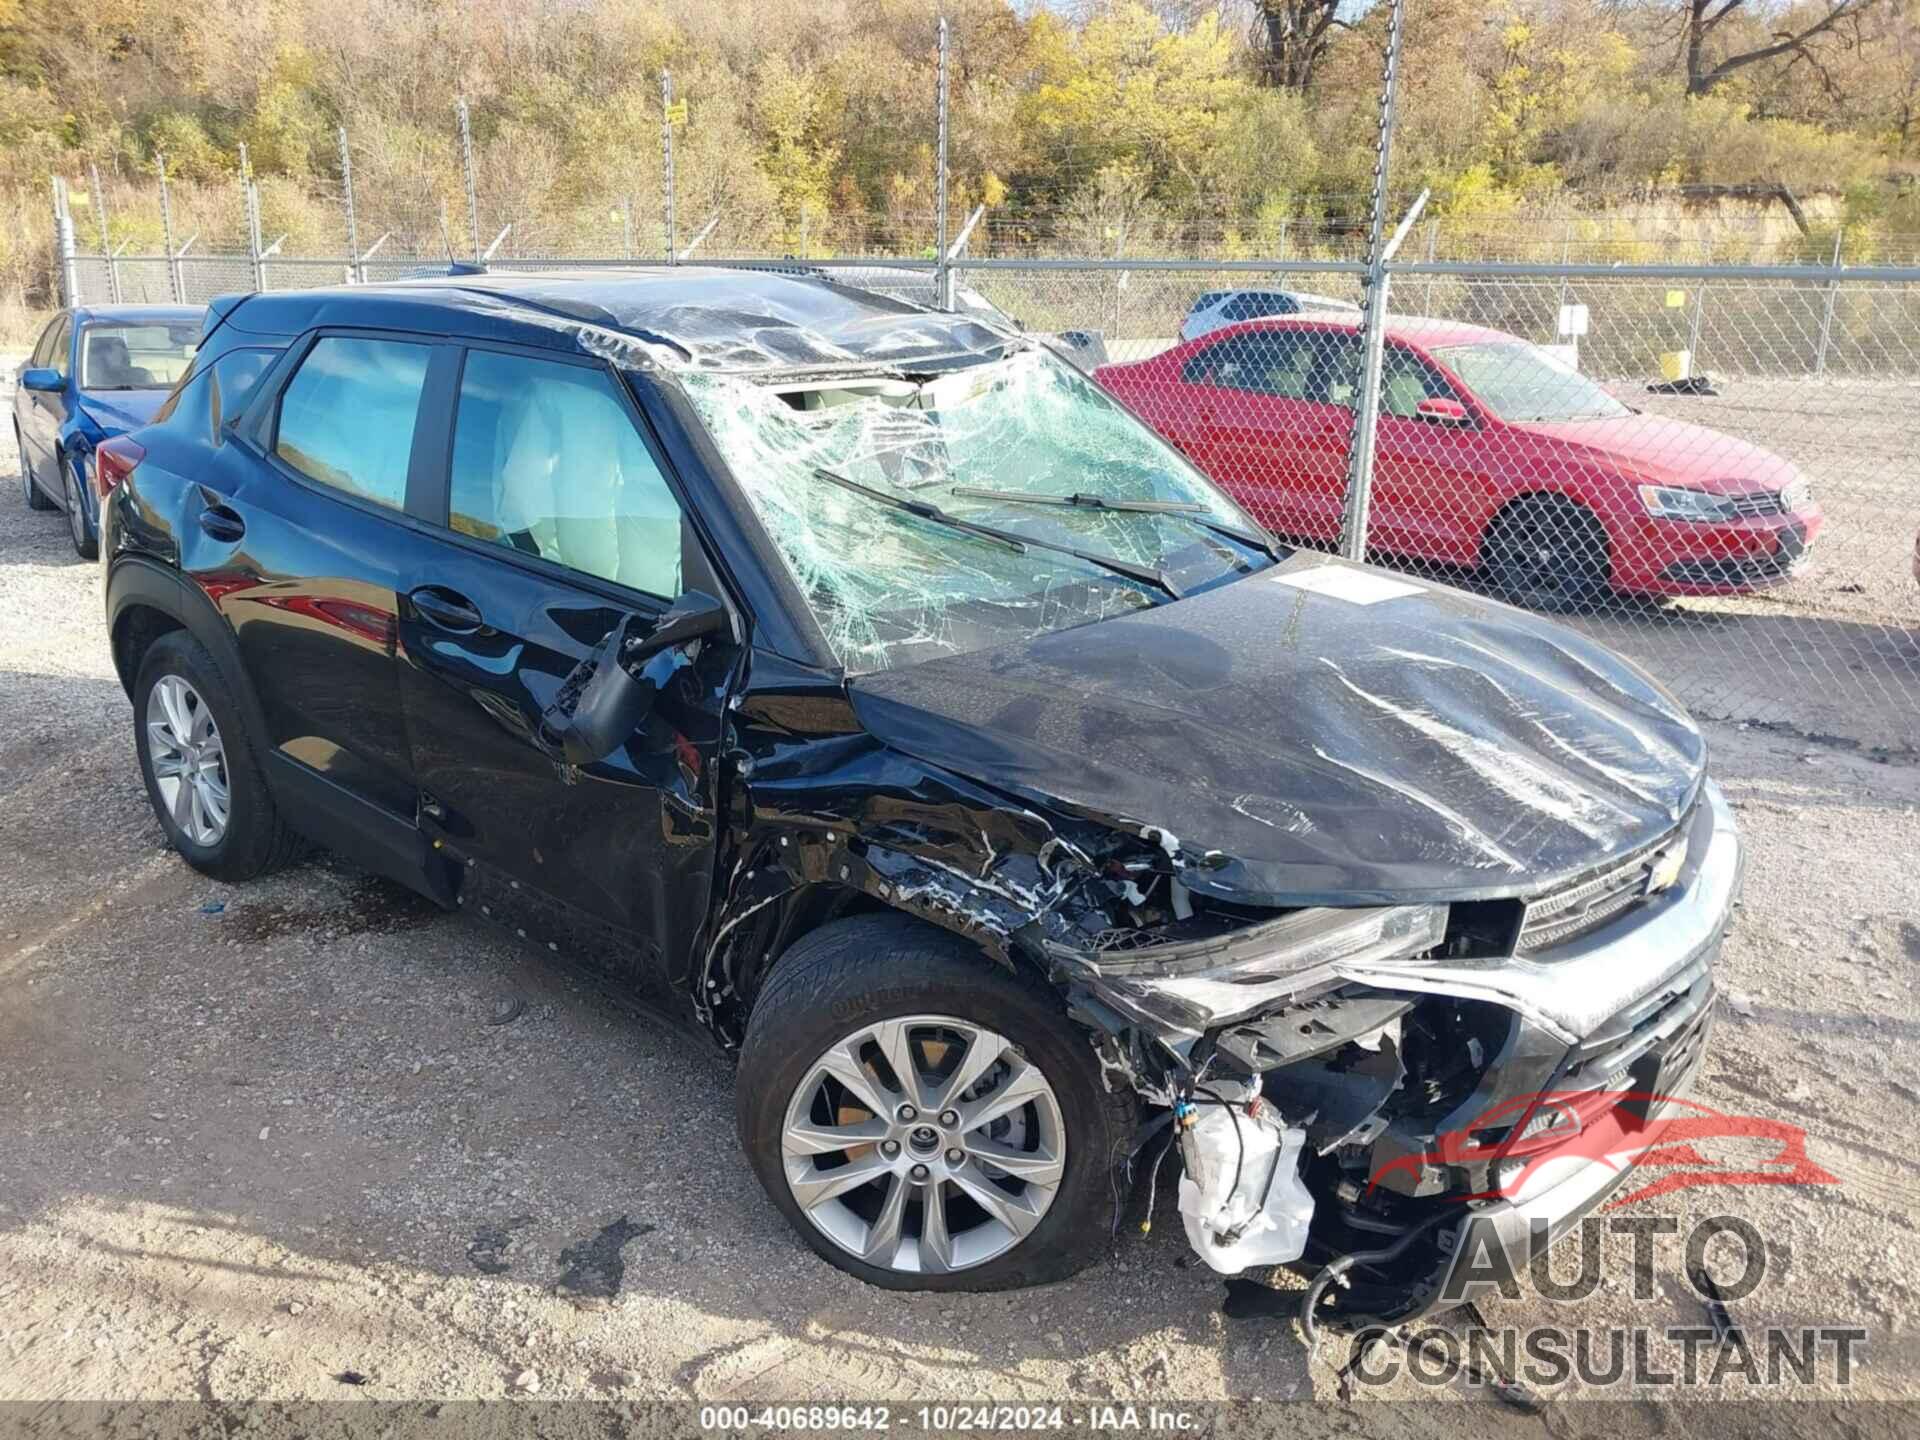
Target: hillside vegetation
column 1243, row 128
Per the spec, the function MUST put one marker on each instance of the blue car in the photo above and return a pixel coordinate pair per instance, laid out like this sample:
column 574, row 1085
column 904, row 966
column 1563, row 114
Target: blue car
column 95, row 373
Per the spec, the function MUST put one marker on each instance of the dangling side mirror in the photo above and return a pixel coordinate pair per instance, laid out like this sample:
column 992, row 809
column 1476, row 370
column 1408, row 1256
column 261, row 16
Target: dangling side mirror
column 607, row 696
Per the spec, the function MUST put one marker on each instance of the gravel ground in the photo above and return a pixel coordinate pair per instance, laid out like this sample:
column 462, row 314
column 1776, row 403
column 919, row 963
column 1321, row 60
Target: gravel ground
column 310, row 1138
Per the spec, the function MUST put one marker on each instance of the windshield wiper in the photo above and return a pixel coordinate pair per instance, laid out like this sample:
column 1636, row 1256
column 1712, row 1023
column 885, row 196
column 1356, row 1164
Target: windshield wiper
column 1013, row 540
column 1184, row 509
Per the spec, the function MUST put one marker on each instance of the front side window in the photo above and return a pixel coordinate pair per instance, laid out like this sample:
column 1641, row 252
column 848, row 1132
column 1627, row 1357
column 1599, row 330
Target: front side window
column 547, row 461
column 1519, row 382
column 1406, row 380
column 136, row 357
column 890, row 587
column 347, row 416
column 43, row 352
column 56, row 346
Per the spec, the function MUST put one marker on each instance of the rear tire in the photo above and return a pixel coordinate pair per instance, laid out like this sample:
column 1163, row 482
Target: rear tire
column 191, row 736
column 35, row 500
column 830, row 995
column 1547, row 552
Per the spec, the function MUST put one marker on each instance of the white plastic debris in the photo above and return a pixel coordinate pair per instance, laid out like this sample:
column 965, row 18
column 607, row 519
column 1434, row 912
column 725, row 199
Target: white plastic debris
column 1262, row 1219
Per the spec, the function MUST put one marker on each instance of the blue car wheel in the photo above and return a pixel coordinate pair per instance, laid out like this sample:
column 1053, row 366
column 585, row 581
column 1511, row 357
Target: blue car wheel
column 79, row 528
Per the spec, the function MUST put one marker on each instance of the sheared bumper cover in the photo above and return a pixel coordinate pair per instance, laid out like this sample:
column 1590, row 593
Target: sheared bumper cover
column 1653, row 972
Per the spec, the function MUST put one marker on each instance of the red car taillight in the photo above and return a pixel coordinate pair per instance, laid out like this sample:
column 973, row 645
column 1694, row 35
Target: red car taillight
column 113, row 461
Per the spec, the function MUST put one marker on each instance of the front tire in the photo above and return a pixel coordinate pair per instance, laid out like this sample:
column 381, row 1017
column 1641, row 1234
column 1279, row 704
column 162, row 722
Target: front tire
column 202, row 772
column 1549, row 553
column 925, row 1120
column 79, row 528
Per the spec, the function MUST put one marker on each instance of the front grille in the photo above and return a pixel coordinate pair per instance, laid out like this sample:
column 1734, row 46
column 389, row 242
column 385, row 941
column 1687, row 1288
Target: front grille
column 1589, row 901
column 1657, row 1040
column 1761, row 502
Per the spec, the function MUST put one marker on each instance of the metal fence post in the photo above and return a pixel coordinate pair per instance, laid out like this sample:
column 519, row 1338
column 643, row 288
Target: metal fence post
column 1433, row 253
column 248, row 218
column 666, row 154
column 175, row 290
column 1693, row 319
column 346, row 198
column 943, row 281
column 1566, row 258
column 1366, row 409
column 106, row 245
column 473, row 188
column 667, row 162
column 1833, row 298
column 626, row 226
column 63, row 246
column 253, row 237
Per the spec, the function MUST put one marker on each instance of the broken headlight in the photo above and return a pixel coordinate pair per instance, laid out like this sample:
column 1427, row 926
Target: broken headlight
column 1279, row 958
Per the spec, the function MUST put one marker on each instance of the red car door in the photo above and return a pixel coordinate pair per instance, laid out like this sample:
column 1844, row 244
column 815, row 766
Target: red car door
column 1433, row 482
column 1257, row 433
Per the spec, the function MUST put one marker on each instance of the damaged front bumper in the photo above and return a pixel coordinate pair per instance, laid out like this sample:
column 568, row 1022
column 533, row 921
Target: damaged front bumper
column 1398, row 1143
column 1636, row 999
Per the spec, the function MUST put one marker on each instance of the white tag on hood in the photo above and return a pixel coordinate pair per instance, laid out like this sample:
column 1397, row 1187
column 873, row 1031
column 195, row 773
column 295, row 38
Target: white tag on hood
column 1345, row 582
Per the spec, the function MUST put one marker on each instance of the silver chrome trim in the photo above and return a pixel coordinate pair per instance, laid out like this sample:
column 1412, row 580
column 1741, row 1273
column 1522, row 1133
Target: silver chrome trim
column 1572, row 989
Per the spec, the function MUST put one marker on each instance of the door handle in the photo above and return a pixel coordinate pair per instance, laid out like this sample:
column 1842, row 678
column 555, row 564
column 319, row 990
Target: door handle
column 448, row 609
column 222, row 522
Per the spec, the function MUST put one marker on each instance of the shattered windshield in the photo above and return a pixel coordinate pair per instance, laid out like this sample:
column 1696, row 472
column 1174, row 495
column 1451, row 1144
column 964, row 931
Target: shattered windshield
column 890, row 586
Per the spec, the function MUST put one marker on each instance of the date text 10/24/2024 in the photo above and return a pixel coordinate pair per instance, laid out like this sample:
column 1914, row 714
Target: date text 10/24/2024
column 948, row 1417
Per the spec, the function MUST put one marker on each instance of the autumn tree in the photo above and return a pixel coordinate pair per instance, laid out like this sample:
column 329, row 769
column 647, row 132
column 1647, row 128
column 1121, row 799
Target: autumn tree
column 1798, row 33
column 1293, row 37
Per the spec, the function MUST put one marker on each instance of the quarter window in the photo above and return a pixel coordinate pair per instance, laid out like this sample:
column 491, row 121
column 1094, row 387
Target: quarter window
column 547, row 461
column 347, row 416
column 1287, row 364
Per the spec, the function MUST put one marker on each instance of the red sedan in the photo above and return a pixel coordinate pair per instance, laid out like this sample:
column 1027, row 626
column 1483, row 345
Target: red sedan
column 1492, row 454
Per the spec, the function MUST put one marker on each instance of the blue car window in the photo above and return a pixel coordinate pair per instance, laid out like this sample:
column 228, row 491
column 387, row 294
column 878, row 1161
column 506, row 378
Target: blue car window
column 43, row 352
column 347, row 416
column 57, row 349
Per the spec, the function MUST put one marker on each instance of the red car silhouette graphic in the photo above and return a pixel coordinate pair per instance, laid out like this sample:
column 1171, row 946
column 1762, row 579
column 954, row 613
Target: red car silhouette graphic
column 1621, row 1129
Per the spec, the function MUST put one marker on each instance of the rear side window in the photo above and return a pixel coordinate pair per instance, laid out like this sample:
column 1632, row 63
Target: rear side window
column 547, row 461
column 232, row 380
column 347, row 416
column 1282, row 363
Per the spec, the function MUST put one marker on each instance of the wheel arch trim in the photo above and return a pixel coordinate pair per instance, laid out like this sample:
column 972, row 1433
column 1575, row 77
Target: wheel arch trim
column 135, row 583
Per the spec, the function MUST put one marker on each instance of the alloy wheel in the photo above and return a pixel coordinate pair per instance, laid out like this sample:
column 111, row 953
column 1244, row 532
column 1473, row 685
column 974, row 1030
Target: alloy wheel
column 189, row 760
column 924, row 1144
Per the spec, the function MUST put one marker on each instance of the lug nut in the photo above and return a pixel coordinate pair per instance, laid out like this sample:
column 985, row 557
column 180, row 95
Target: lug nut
column 906, row 1114
column 889, row 1148
column 956, row 1155
column 919, row 1172
column 949, row 1118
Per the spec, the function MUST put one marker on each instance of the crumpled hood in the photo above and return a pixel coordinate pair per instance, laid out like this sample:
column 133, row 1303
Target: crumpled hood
column 1674, row 452
column 1298, row 747
column 118, row 411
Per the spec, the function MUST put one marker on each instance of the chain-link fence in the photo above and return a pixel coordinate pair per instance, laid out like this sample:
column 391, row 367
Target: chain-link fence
column 1710, row 468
